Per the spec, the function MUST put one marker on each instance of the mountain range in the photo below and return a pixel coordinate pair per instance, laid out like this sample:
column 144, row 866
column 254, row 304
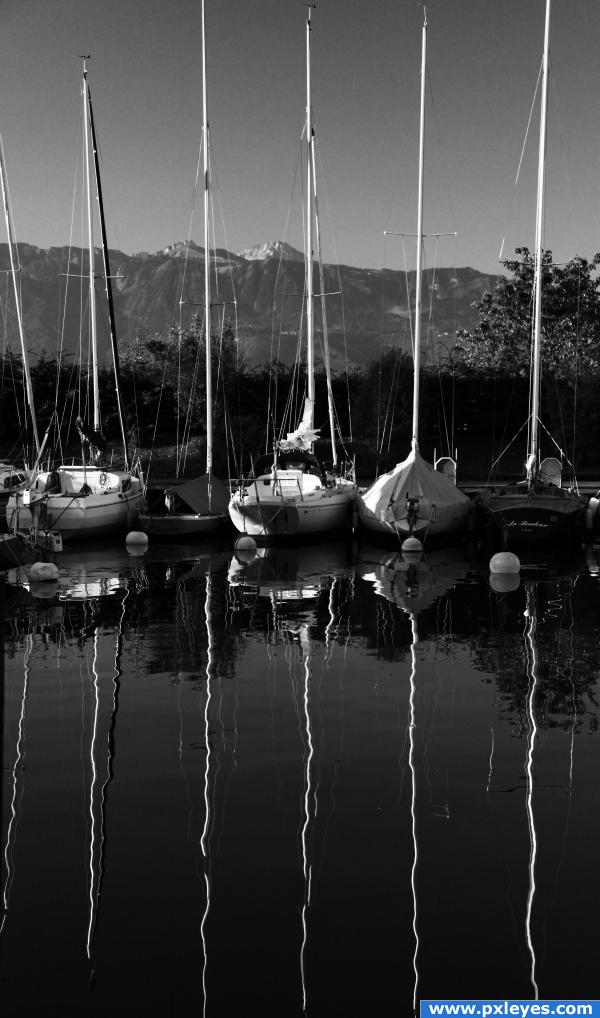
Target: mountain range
column 258, row 290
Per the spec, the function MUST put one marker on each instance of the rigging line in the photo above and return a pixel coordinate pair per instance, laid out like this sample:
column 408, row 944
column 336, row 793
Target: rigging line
column 274, row 374
column 381, row 324
column 563, row 148
column 557, row 446
column 62, row 322
column 194, row 391
column 340, row 288
column 393, row 396
column 190, row 226
column 445, row 175
column 158, row 409
column 216, row 187
column 506, row 448
column 385, row 429
column 432, row 287
column 520, row 163
column 560, row 411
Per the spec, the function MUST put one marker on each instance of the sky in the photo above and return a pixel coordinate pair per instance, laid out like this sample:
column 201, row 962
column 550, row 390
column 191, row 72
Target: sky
column 145, row 78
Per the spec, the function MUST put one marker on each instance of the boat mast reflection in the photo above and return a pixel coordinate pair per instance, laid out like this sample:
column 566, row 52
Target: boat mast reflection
column 76, row 615
column 200, row 619
column 210, row 779
column 99, row 794
column 532, row 673
column 17, row 787
column 548, row 655
column 413, row 582
column 293, row 586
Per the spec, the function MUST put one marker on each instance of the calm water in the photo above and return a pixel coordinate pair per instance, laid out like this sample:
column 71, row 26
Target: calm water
column 321, row 783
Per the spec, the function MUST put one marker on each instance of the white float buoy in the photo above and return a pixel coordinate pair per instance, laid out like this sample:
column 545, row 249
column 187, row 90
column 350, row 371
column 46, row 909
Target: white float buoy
column 504, row 562
column 245, row 548
column 137, row 538
column 245, row 543
column 411, row 543
column 43, row 571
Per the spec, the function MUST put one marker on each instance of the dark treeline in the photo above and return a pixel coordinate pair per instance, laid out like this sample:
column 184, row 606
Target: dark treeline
column 475, row 402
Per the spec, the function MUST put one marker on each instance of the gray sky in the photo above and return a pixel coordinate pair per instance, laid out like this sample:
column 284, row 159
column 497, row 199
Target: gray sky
column 145, row 77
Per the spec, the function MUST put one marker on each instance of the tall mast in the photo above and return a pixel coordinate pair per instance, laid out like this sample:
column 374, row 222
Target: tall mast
column 108, row 286
column 310, row 365
column 417, row 348
column 207, row 314
column 13, row 270
column 90, row 219
column 539, row 229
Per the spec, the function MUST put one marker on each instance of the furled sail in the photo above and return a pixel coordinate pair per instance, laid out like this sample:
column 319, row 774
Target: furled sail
column 304, row 435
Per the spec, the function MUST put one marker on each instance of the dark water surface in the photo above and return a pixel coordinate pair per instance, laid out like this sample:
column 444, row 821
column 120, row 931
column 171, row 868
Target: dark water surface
column 323, row 783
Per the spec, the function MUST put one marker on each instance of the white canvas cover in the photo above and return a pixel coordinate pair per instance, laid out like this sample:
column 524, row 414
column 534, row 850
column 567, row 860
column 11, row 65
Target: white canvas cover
column 440, row 502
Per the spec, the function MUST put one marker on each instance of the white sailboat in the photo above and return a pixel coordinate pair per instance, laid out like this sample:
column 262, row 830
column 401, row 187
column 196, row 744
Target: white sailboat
column 197, row 507
column 88, row 498
column 415, row 498
column 290, row 493
column 537, row 508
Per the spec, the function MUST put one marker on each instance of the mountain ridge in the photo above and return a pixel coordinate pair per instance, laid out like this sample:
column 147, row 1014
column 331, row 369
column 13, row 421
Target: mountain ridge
column 258, row 289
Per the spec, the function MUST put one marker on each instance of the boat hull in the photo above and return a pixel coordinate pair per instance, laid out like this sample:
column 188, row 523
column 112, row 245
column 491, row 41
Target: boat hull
column 88, row 503
column 383, row 523
column 181, row 525
column 273, row 516
column 533, row 517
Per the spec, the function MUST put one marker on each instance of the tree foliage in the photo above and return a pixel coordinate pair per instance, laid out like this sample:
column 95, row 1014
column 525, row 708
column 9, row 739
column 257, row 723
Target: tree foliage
column 500, row 344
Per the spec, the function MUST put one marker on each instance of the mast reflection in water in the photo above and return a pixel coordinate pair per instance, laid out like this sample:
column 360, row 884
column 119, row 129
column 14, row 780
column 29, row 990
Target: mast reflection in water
column 322, row 780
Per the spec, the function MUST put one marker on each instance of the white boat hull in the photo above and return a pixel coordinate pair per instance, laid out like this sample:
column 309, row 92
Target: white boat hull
column 272, row 515
column 90, row 502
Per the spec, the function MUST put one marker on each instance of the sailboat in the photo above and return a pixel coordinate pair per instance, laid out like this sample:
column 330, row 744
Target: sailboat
column 416, row 498
column 290, row 493
column 537, row 508
column 87, row 498
column 198, row 506
column 13, row 549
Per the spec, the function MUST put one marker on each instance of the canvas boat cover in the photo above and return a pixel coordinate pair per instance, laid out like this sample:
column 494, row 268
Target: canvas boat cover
column 203, row 495
column 386, row 497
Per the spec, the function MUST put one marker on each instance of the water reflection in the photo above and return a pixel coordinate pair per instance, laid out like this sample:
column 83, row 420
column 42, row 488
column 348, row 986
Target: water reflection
column 302, row 596
column 413, row 582
column 332, row 771
column 546, row 697
column 16, row 786
column 531, row 656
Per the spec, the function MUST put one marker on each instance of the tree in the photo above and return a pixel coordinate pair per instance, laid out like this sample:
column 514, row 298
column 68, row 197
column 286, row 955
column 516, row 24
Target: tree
column 496, row 354
column 500, row 344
